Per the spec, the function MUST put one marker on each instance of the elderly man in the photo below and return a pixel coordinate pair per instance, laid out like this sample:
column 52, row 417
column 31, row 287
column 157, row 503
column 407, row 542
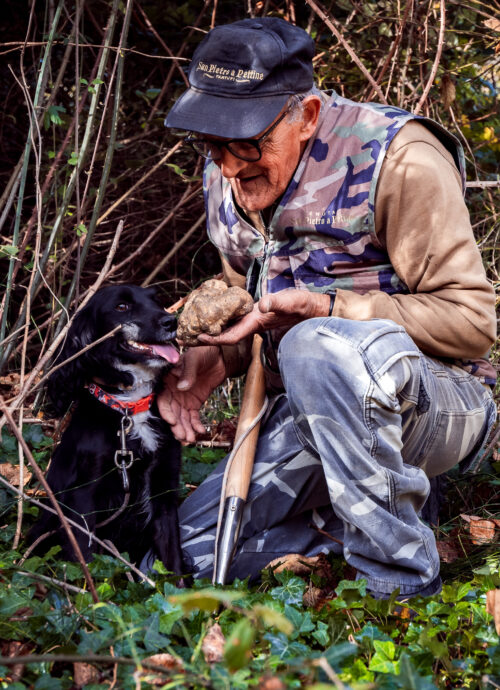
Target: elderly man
column 347, row 224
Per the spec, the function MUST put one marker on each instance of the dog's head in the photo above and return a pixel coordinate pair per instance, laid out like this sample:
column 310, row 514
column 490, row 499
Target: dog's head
column 141, row 347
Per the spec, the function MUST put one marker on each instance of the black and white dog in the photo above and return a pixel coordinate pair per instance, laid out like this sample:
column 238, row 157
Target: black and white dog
column 116, row 469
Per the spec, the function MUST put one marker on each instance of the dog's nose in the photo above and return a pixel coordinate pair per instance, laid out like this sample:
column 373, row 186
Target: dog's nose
column 169, row 323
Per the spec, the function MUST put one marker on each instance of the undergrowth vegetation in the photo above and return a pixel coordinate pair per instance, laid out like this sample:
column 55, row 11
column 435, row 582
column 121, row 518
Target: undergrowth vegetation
column 318, row 630
column 94, row 189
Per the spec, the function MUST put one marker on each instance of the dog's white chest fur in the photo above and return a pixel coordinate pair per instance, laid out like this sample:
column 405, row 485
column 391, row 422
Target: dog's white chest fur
column 142, row 430
column 143, row 386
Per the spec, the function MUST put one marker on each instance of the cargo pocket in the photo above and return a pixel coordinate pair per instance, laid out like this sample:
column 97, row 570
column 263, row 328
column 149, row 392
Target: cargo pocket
column 457, row 437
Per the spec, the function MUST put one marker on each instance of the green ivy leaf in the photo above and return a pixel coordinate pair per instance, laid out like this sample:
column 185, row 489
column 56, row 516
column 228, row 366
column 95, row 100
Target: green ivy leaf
column 292, row 589
column 177, row 170
column 47, row 682
column 154, row 641
column 273, row 618
column 8, row 250
column 455, row 592
column 237, row 650
column 205, row 600
column 105, row 591
column 321, row 634
column 338, row 653
column 52, row 116
column 286, row 649
column 358, row 671
column 302, row 621
column 381, row 665
column 385, row 648
column 383, row 659
column 351, row 591
column 409, row 677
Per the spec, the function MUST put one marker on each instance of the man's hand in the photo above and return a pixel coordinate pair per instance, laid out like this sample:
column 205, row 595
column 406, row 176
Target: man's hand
column 187, row 386
column 277, row 310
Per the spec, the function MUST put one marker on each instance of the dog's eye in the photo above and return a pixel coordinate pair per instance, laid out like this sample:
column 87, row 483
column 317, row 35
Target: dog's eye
column 122, row 306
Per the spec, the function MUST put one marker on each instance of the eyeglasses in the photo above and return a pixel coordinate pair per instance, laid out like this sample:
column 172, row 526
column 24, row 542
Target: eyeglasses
column 245, row 149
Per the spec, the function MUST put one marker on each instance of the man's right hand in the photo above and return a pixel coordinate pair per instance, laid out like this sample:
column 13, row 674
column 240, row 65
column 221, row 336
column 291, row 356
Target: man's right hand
column 187, row 386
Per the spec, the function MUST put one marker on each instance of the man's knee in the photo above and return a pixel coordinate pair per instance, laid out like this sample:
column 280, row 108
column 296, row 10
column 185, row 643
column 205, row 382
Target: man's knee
column 322, row 348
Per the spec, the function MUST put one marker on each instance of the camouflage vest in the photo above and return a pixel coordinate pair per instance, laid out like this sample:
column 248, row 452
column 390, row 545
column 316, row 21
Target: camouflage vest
column 322, row 234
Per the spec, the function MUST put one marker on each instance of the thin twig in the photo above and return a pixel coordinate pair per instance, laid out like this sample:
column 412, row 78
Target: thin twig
column 60, row 156
column 170, row 74
column 323, row 664
column 33, row 546
column 52, row 581
column 483, row 184
column 107, row 264
column 36, row 145
column 389, row 59
column 41, row 478
column 88, row 658
column 106, row 168
column 78, row 354
column 437, row 59
column 329, row 23
column 63, row 207
column 187, row 196
column 24, row 170
column 174, row 250
column 115, row 552
column 78, row 527
column 162, row 43
column 326, row 534
column 34, row 44
column 141, row 181
column 19, row 399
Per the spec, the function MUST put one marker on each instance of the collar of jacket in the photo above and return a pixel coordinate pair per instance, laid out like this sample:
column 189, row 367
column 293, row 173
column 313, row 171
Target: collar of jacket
column 132, row 407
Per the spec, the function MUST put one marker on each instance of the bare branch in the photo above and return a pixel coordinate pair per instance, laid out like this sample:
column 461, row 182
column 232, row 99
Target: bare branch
column 437, row 59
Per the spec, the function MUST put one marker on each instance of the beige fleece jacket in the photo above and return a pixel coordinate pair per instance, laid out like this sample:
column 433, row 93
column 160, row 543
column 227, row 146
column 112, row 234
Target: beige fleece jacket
column 422, row 220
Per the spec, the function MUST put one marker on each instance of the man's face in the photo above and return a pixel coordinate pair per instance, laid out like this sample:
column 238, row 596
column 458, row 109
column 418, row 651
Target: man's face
column 257, row 185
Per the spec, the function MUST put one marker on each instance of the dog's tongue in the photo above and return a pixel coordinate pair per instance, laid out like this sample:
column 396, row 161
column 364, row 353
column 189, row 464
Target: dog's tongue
column 168, row 352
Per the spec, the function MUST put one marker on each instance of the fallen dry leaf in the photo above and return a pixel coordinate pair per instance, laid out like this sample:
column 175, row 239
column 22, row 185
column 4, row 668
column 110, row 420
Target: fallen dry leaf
column 448, row 551
column 15, row 648
column 482, row 531
column 493, row 606
column 10, row 379
column 11, row 473
column 84, row 674
column 271, row 683
column 173, row 663
column 295, row 563
column 313, row 596
column 448, row 91
column 213, row 645
column 168, row 661
column 492, row 23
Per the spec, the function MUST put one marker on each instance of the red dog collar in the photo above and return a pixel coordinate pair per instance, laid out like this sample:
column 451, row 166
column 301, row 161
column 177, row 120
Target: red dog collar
column 134, row 407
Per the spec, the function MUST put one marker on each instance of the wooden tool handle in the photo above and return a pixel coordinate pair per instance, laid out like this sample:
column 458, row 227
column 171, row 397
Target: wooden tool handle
column 238, row 479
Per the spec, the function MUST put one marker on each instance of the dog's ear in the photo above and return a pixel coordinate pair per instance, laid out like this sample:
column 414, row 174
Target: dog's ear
column 64, row 384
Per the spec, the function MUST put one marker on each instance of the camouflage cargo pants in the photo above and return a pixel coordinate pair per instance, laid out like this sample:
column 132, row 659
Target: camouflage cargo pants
column 365, row 420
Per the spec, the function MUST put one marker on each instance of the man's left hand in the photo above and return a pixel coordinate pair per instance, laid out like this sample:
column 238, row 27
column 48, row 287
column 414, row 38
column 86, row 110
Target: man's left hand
column 277, row 310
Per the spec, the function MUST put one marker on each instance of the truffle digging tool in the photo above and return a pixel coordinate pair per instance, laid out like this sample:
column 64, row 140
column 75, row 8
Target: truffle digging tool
column 240, row 465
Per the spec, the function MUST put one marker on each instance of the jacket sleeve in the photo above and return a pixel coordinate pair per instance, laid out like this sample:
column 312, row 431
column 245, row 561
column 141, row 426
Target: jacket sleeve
column 422, row 220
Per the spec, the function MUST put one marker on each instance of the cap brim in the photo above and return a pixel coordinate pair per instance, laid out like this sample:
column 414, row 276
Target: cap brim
column 230, row 118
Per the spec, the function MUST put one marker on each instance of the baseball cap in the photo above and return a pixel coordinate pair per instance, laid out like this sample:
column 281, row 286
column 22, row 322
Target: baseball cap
column 241, row 76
